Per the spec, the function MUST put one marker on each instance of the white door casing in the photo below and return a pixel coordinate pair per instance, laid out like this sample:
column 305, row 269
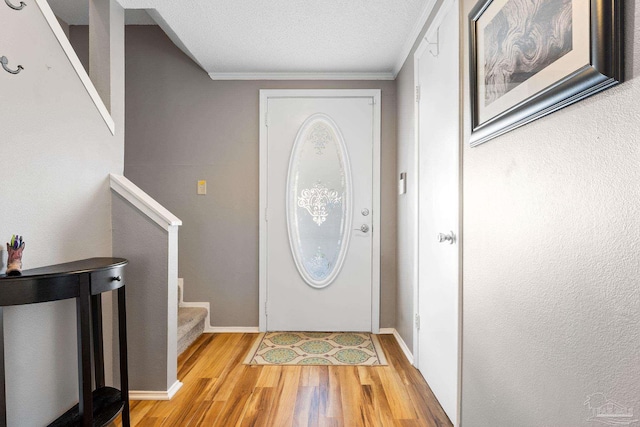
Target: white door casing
column 438, row 140
column 319, row 169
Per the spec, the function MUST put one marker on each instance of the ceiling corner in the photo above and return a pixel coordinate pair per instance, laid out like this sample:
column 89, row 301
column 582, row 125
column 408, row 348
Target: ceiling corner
column 413, row 36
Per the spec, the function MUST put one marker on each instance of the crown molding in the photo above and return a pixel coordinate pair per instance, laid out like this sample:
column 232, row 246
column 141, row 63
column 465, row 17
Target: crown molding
column 301, row 76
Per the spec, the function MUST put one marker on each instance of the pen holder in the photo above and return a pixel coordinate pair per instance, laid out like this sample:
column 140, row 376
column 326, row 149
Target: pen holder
column 14, row 263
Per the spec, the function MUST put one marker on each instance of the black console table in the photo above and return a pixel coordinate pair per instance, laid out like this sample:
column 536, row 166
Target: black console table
column 83, row 280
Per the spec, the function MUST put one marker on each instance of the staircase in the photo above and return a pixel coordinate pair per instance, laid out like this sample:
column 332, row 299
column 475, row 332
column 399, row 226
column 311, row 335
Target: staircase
column 191, row 322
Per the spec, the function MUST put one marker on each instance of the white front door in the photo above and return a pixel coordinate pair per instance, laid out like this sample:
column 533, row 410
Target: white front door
column 437, row 76
column 319, row 248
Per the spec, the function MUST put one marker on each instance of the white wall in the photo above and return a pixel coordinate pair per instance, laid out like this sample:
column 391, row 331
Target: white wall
column 57, row 153
column 552, row 260
column 551, row 255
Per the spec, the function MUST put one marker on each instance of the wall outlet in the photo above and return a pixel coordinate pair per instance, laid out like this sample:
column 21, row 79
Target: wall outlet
column 202, row 187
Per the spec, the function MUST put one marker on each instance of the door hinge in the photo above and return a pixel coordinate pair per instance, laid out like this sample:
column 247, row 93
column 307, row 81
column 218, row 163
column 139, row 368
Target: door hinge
column 418, row 93
column 266, row 309
column 372, row 101
column 417, row 320
column 266, row 215
column 266, row 119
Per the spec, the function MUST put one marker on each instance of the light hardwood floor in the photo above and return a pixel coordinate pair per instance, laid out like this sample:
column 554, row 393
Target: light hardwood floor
column 220, row 391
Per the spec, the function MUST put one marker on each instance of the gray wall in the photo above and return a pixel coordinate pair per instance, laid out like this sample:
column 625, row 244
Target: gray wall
column 551, row 260
column 58, row 153
column 65, row 27
column 182, row 127
column 144, row 243
column 407, row 203
column 79, row 38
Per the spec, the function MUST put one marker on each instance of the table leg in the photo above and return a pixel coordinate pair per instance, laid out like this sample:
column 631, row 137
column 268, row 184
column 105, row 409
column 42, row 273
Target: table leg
column 98, row 351
column 83, row 319
column 3, row 394
column 124, row 370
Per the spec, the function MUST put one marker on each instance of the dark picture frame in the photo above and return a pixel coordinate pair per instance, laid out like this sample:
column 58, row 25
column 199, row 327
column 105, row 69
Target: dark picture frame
column 575, row 51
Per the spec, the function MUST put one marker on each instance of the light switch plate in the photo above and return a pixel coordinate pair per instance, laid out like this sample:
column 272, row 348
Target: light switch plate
column 202, row 187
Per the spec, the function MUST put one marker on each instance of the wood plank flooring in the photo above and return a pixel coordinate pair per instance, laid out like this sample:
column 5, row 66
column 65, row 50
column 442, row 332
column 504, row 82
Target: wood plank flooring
column 220, row 391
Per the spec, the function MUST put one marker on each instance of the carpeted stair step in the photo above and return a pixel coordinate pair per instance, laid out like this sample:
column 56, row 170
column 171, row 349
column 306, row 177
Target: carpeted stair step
column 190, row 325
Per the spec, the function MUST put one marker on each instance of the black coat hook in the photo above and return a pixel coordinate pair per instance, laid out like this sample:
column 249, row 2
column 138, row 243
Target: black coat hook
column 4, row 61
column 22, row 5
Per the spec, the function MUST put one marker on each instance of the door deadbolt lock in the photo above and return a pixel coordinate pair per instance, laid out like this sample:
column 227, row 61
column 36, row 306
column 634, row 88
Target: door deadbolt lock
column 364, row 228
column 364, row 212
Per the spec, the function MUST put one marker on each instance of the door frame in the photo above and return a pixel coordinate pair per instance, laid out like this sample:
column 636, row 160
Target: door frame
column 426, row 44
column 375, row 96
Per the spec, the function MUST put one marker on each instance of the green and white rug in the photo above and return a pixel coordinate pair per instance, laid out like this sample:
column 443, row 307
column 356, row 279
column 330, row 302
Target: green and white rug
column 316, row 348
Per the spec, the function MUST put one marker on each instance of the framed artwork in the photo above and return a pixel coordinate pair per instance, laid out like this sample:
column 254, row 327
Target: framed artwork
column 530, row 58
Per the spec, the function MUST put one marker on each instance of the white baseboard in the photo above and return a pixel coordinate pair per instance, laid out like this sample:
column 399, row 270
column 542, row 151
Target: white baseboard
column 403, row 346
column 234, row 330
column 401, row 343
column 155, row 395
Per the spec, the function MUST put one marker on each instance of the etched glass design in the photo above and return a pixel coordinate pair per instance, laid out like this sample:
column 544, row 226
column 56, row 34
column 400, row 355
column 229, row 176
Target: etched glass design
column 319, row 135
column 319, row 200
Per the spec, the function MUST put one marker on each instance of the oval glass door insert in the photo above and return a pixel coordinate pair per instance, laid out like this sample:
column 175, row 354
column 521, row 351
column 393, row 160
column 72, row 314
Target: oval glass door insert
column 319, row 200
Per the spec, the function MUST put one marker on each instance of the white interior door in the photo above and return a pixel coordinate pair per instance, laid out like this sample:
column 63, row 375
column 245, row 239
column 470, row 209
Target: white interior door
column 437, row 75
column 319, row 236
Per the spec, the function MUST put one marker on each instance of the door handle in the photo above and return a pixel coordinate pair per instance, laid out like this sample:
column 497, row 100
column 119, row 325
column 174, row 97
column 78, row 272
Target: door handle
column 451, row 238
column 364, row 228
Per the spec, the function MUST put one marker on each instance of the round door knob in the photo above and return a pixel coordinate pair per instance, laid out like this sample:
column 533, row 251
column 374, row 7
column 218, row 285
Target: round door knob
column 451, row 238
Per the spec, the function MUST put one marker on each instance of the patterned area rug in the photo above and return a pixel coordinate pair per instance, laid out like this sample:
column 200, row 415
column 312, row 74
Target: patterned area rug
column 316, row 348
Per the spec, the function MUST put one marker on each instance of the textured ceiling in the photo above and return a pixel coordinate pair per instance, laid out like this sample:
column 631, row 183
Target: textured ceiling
column 281, row 38
column 76, row 12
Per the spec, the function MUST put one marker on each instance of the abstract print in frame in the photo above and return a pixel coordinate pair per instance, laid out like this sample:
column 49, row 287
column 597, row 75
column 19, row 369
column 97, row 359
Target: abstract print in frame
column 529, row 58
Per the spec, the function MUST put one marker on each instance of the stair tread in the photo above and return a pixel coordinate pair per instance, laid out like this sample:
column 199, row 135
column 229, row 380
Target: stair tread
column 190, row 325
column 188, row 317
